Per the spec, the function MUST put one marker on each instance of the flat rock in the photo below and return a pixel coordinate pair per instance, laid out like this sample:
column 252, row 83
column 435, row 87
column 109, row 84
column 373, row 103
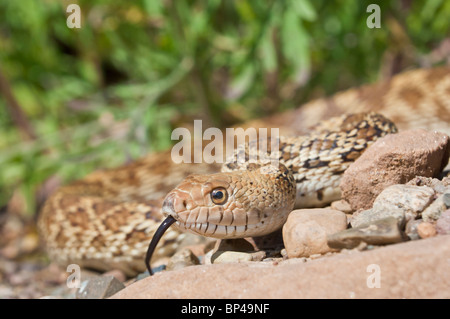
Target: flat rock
column 414, row 269
column 380, row 232
column 305, row 231
column 404, row 202
column 394, row 159
column 223, row 257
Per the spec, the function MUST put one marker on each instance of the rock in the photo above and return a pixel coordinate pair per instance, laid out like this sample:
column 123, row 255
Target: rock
column 443, row 223
column 426, row 230
column 380, row 232
column 236, row 250
column 411, row 229
column 181, row 259
column 446, row 199
column 342, row 205
column 394, row 159
column 100, row 287
column 432, row 212
column 403, row 202
column 305, row 231
column 224, row 257
column 442, row 190
column 439, row 186
column 414, row 270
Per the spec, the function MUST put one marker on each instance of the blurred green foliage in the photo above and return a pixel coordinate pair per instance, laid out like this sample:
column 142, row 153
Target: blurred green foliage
column 115, row 88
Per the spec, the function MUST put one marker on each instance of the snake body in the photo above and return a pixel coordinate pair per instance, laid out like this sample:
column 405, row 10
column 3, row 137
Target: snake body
column 258, row 196
column 107, row 219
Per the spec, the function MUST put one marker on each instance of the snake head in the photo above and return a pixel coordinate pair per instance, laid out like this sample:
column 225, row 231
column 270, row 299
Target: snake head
column 251, row 202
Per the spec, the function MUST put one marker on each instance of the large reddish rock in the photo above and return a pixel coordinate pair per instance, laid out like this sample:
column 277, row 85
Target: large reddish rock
column 394, row 159
column 415, row 269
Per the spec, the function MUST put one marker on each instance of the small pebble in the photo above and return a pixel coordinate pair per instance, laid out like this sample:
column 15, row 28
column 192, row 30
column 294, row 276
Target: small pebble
column 342, row 206
column 426, row 230
column 411, row 229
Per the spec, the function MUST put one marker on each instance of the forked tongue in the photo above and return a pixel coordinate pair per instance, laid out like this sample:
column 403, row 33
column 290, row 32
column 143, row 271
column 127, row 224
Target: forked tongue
column 155, row 240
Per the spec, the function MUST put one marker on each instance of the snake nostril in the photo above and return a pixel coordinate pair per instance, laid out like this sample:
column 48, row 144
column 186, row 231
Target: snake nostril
column 173, row 204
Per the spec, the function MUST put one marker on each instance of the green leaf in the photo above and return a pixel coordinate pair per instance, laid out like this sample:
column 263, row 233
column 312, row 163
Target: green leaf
column 153, row 7
column 245, row 10
column 295, row 41
column 304, row 9
column 268, row 53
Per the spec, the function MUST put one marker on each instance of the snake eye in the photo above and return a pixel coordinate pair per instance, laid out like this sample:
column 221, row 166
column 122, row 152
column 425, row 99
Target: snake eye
column 219, row 196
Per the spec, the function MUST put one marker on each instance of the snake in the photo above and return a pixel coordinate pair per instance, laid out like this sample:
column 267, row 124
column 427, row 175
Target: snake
column 107, row 219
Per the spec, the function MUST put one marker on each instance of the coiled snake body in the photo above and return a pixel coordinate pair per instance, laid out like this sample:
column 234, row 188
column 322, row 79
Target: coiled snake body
column 107, row 219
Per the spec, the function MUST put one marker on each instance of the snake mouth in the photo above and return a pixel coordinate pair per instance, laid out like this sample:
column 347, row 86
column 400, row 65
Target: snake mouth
column 207, row 228
column 210, row 229
column 223, row 231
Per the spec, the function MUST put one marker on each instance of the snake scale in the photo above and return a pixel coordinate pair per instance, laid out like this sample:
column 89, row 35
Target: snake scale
column 107, row 219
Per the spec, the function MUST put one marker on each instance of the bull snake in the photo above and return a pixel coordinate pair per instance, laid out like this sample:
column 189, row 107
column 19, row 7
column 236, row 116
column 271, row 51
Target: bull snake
column 106, row 220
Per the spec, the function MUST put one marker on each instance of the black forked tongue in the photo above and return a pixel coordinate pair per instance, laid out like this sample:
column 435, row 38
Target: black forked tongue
column 155, row 240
